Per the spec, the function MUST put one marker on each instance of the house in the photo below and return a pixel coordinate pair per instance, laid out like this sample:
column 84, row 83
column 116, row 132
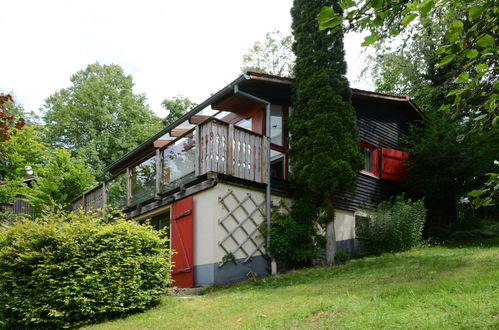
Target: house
column 204, row 177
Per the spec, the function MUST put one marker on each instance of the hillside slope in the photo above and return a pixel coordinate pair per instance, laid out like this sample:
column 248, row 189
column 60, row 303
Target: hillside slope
column 431, row 287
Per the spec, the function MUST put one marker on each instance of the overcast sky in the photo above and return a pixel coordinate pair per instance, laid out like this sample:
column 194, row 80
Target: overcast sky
column 192, row 48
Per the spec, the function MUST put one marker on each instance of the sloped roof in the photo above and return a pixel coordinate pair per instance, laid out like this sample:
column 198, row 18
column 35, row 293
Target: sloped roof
column 260, row 84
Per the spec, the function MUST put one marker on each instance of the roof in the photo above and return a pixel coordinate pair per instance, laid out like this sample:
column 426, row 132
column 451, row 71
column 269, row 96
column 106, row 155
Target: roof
column 256, row 83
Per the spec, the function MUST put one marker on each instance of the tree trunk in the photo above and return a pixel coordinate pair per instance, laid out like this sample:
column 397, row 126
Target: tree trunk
column 330, row 243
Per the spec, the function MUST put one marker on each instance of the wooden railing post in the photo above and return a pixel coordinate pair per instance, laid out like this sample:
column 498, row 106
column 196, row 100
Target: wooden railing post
column 197, row 151
column 229, row 160
column 128, row 200
column 159, row 171
column 264, row 160
column 104, row 195
column 84, row 202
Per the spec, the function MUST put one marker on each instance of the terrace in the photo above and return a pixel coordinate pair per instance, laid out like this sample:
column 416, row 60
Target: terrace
column 223, row 135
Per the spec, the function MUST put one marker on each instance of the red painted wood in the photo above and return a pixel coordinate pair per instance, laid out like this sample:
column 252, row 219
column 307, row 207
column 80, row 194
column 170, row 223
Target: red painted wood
column 392, row 164
column 182, row 241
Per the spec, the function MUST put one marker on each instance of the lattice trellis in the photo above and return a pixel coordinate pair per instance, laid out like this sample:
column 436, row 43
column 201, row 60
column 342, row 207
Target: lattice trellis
column 241, row 223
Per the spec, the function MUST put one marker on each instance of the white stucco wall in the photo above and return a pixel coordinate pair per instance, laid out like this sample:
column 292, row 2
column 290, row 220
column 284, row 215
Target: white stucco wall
column 208, row 233
column 344, row 225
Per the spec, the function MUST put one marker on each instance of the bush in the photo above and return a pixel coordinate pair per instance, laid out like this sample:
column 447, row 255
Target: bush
column 396, row 226
column 67, row 270
column 341, row 257
column 292, row 235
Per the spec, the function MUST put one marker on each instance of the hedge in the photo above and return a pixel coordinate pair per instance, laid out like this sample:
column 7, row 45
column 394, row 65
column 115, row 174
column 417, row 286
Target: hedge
column 68, row 270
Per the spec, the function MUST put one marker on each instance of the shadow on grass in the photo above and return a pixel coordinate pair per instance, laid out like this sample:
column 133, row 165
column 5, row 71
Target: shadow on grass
column 476, row 242
column 407, row 267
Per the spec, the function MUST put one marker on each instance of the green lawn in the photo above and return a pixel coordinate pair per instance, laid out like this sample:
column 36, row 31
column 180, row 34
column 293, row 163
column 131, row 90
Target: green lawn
column 433, row 287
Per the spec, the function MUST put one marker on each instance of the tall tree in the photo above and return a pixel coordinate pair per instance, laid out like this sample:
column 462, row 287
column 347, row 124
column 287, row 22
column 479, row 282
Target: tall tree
column 99, row 117
column 176, row 107
column 325, row 155
column 273, row 56
column 449, row 153
column 471, row 38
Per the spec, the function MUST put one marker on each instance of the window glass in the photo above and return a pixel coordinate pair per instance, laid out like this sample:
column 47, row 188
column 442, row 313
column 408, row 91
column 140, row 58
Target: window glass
column 368, row 159
column 245, row 123
column 178, row 163
column 276, row 164
column 276, row 125
column 116, row 191
column 144, row 181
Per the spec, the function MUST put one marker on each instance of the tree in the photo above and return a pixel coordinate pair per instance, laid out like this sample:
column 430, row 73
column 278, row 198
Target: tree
column 449, row 150
column 9, row 124
column 58, row 177
column 274, row 56
column 325, row 156
column 470, row 38
column 176, row 107
column 99, row 117
column 442, row 170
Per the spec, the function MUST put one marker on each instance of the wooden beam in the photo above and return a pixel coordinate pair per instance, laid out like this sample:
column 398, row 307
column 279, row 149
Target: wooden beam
column 176, row 132
column 198, row 119
column 160, row 143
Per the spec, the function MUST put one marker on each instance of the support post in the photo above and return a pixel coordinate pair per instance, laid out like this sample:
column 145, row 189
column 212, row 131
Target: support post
column 104, row 195
column 159, row 171
column 197, row 151
column 128, row 200
column 230, row 150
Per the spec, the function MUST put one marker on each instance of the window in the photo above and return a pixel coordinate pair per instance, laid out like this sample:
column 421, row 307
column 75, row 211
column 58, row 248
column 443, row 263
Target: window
column 276, row 125
column 277, row 164
column 370, row 154
column 245, row 123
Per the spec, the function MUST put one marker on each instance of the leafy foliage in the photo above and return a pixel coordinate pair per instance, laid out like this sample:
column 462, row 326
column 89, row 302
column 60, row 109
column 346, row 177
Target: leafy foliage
column 273, row 56
column 9, row 124
column 470, row 39
column 59, row 178
column 176, row 106
column 489, row 194
column 293, row 235
column 67, row 270
column 442, row 170
column 325, row 156
column 99, row 117
column 396, row 226
column 341, row 257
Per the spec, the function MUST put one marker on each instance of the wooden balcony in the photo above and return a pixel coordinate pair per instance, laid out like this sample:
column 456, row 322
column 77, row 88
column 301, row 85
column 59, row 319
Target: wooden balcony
column 211, row 146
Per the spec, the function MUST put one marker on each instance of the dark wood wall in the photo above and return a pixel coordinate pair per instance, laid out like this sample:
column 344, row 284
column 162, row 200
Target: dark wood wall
column 381, row 124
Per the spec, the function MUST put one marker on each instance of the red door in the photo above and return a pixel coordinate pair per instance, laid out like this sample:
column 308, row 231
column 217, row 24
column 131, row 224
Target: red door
column 182, row 238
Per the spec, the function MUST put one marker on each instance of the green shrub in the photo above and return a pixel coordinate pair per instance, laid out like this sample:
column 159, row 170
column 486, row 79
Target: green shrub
column 292, row 241
column 67, row 270
column 396, row 226
column 341, row 257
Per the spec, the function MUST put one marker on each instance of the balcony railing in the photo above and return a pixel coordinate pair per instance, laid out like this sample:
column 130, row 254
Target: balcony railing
column 213, row 146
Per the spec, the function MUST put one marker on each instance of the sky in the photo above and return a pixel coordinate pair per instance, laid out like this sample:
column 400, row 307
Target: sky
column 191, row 48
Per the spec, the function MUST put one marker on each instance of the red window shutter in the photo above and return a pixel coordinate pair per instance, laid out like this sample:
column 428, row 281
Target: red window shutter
column 182, row 241
column 392, row 164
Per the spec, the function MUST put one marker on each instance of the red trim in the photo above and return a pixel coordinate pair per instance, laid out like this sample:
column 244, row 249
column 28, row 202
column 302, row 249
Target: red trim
column 374, row 150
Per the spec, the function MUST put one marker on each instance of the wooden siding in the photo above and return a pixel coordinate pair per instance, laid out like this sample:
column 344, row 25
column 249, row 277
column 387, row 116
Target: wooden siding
column 381, row 125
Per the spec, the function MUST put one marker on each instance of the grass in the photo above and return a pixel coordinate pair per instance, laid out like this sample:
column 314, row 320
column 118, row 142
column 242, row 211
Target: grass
column 432, row 287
